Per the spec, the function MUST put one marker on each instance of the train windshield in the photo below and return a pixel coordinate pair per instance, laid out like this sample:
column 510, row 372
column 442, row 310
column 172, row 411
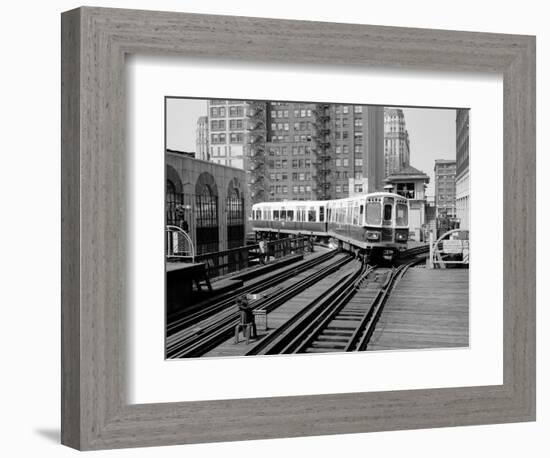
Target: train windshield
column 401, row 215
column 374, row 211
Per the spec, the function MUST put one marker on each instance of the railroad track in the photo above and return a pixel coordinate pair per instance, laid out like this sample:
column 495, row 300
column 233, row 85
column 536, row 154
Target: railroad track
column 198, row 313
column 342, row 320
column 200, row 339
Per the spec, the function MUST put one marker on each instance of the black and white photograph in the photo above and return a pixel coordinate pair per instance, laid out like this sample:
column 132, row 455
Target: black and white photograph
column 310, row 227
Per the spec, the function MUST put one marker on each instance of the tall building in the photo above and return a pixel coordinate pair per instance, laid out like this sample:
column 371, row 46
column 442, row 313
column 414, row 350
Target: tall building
column 299, row 151
column 396, row 141
column 324, row 151
column 227, row 124
column 463, row 167
column 445, row 187
column 291, row 151
column 202, row 151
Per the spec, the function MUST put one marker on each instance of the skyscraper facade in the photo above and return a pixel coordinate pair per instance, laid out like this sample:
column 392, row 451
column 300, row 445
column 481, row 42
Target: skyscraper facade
column 299, row 151
column 463, row 167
column 227, row 125
column 396, row 141
column 445, row 188
column 324, row 151
column 202, row 150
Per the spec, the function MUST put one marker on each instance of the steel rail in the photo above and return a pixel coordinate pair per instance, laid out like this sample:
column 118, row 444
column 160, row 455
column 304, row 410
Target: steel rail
column 221, row 329
column 272, row 343
column 227, row 299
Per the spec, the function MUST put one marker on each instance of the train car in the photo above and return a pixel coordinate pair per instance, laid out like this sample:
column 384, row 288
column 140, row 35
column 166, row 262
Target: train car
column 376, row 224
column 291, row 217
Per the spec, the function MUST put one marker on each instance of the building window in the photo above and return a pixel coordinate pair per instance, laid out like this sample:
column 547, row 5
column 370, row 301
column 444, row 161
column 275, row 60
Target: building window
column 235, row 124
column 236, row 138
column 236, row 111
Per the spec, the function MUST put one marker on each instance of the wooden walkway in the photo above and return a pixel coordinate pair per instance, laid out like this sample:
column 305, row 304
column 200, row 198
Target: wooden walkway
column 427, row 309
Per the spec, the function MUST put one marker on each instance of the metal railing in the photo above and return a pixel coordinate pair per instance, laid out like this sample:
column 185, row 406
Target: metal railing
column 449, row 251
column 223, row 262
column 179, row 244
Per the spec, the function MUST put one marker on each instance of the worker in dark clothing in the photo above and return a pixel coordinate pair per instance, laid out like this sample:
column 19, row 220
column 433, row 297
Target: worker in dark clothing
column 247, row 316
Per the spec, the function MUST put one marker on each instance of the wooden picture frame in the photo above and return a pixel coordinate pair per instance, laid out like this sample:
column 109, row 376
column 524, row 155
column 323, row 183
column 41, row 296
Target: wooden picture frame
column 95, row 413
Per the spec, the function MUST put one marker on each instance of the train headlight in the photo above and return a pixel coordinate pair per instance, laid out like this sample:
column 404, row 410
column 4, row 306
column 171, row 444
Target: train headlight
column 401, row 236
column 373, row 235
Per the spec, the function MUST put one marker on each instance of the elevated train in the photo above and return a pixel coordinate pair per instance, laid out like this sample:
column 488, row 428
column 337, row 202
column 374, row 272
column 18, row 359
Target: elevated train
column 376, row 224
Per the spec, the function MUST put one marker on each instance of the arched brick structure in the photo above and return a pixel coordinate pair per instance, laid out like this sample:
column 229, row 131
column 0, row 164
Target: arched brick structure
column 205, row 179
column 234, row 186
column 235, row 214
column 206, row 214
column 173, row 177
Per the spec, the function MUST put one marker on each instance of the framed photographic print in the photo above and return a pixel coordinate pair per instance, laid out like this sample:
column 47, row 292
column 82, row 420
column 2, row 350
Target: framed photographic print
column 279, row 228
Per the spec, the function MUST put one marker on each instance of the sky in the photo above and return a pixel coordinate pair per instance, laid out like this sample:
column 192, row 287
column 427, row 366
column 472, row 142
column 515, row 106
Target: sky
column 432, row 135
column 432, row 132
column 181, row 122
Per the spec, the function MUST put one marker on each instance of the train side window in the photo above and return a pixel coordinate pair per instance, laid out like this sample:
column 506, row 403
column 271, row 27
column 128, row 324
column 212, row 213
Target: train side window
column 361, row 212
column 322, row 214
column 311, row 217
column 290, row 215
column 275, row 215
column 282, row 214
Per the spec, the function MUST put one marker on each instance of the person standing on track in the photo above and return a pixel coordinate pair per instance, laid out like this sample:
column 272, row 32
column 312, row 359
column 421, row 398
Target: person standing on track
column 247, row 316
column 262, row 246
